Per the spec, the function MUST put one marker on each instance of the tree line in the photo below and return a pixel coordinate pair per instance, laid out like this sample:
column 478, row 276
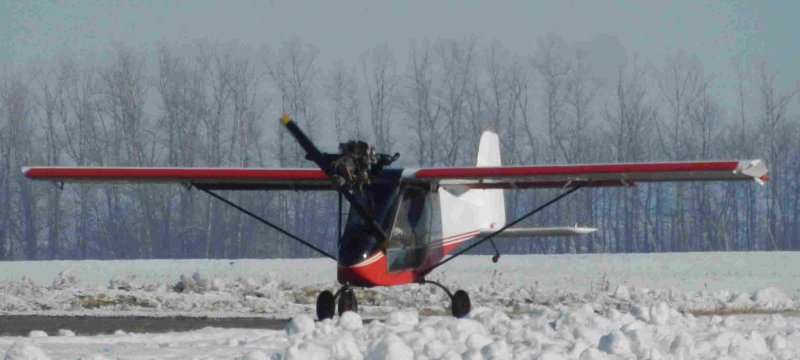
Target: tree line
column 219, row 108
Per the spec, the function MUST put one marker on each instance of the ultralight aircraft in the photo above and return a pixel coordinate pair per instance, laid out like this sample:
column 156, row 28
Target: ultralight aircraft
column 406, row 222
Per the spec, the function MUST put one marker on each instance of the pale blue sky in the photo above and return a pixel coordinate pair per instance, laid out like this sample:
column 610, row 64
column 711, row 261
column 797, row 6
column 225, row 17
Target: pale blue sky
column 35, row 33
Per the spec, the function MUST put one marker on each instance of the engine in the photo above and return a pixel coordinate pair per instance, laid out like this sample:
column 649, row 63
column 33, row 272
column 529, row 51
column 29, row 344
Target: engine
column 357, row 164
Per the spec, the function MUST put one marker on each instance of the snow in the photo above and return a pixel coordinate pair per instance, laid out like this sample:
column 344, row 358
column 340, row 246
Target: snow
column 21, row 350
column 578, row 307
column 65, row 332
column 300, row 325
column 350, row 321
column 483, row 335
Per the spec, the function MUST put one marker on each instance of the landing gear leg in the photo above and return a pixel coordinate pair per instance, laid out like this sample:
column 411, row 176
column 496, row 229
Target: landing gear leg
column 459, row 302
column 326, row 305
column 347, row 300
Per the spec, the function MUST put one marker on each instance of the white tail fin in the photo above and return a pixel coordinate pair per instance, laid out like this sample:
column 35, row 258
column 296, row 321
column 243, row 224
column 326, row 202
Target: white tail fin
column 491, row 204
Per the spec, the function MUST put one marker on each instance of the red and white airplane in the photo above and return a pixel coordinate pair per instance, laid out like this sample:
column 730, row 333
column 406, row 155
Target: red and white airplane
column 407, row 222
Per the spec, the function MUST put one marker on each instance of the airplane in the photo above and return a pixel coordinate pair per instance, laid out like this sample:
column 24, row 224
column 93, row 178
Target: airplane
column 406, row 222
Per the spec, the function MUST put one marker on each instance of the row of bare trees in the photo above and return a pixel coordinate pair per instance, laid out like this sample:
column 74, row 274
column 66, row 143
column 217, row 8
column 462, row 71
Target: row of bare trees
column 218, row 108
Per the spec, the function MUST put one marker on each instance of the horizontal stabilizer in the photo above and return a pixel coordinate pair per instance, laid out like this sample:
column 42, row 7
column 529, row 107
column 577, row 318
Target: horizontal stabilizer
column 541, row 232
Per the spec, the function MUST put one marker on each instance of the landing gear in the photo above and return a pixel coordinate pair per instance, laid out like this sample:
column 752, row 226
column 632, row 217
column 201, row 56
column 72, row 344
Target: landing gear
column 326, row 305
column 326, row 302
column 347, row 300
column 459, row 302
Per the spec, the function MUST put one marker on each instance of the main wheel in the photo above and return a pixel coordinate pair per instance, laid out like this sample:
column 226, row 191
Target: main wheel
column 460, row 305
column 347, row 301
column 326, row 305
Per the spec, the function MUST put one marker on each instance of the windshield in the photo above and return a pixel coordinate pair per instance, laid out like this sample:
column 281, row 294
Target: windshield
column 358, row 242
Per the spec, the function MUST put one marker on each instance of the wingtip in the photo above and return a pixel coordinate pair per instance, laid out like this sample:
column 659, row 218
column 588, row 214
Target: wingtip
column 756, row 168
column 25, row 170
column 585, row 230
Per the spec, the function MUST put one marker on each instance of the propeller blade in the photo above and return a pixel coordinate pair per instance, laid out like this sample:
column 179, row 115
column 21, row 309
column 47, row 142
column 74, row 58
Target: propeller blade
column 316, row 156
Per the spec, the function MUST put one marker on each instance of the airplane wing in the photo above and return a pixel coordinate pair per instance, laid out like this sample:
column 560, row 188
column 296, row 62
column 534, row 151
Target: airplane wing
column 556, row 176
column 204, row 178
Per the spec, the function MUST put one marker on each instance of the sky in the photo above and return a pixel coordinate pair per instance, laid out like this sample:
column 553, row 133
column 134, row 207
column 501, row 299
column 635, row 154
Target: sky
column 716, row 34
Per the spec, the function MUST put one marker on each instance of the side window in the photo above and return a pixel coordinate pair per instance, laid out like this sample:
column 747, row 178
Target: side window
column 412, row 230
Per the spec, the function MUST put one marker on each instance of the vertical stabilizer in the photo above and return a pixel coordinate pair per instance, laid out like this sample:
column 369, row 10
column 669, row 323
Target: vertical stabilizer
column 491, row 204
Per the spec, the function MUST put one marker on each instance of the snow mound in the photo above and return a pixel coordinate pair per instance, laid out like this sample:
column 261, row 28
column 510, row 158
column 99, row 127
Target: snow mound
column 350, row 321
column 772, row 299
column 391, row 347
column 64, row 280
column 21, row 350
column 300, row 325
column 306, row 350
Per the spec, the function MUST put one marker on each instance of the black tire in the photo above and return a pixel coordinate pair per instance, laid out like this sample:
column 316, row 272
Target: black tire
column 347, row 301
column 460, row 304
column 326, row 305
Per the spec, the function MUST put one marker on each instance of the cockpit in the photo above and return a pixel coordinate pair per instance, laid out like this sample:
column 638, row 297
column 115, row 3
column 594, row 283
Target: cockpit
column 407, row 214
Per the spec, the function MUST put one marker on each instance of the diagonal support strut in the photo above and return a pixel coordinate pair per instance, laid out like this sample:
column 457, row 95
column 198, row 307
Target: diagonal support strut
column 265, row 222
column 523, row 217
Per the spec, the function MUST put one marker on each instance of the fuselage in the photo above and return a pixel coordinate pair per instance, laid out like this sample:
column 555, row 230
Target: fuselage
column 423, row 224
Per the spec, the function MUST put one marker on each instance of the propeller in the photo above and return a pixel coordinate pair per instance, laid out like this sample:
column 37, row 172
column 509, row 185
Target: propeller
column 313, row 154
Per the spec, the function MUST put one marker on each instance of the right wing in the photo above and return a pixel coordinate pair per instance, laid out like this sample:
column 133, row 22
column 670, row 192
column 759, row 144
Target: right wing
column 203, row 178
column 558, row 176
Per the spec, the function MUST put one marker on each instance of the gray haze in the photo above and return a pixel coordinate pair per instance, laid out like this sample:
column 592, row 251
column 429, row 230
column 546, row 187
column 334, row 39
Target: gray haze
column 717, row 34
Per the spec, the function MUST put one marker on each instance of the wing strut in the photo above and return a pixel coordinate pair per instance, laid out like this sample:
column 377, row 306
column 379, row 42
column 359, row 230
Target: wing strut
column 523, row 217
column 265, row 222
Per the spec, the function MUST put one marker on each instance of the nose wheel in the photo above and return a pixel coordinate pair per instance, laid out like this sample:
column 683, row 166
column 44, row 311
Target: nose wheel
column 347, row 300
column 326, row 305
column 326, row 302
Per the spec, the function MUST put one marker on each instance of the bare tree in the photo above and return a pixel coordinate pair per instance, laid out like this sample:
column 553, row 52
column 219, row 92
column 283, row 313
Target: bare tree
column 421, row 106
column 378, row 67
column 19, row 107
column 553, row 70
column 128, row 141
column 293, row 73
column 50, row 99
column 457, row 59
column 773, row 126
column 342, row 91
column 630, row 126
column 182, row 90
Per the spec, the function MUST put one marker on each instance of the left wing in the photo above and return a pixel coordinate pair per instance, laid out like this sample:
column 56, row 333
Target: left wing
column 556, row 176
column 204, row 178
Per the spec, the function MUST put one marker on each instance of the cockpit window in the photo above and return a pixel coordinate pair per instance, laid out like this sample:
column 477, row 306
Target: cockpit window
column 412, row 222
column 411, row 232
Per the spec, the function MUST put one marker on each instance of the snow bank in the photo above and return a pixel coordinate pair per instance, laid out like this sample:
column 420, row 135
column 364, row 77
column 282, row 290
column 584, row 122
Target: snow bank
column 550, row 332
column 215, row 288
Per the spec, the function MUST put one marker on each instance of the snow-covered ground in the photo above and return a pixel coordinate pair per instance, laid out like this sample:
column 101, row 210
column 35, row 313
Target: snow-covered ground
column 634, row 306
column 545, row 332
